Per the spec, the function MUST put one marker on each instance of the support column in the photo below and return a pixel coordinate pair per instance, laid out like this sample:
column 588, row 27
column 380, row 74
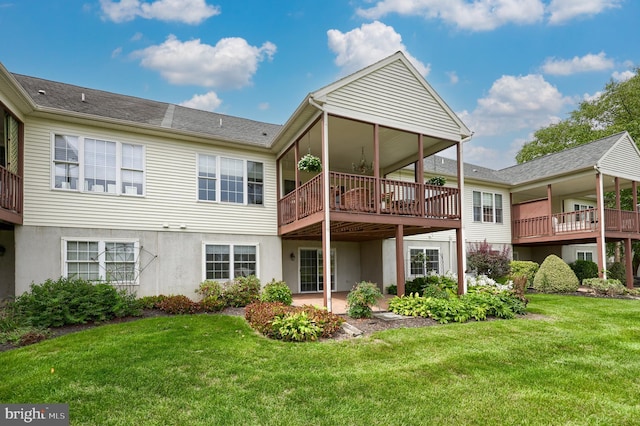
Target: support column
column 628, row 262
column 461, row 247
column 326, row 223
column 550, row 210
column 600, row 239
column 400, row 275
column 462, row 284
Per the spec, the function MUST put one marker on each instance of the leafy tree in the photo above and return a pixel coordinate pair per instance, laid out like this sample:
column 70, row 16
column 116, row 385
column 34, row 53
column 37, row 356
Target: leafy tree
column 617, row 109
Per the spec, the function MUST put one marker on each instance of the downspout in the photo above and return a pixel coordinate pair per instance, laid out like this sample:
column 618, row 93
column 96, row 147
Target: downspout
column 326, row 231
column 462, row 210
column 600, row 200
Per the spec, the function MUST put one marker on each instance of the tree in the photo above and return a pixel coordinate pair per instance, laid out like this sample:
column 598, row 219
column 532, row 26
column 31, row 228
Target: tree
column 617, row 109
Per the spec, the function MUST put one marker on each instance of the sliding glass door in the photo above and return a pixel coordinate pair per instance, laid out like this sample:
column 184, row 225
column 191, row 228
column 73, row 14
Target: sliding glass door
column 311, row 270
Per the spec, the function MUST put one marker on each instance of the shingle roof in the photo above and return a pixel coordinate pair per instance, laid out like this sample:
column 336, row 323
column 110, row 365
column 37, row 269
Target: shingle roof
column 67, row 97
column 438, row 165
column 572, row 159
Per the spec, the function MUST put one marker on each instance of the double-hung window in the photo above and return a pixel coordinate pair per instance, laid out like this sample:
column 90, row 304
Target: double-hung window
column 584, row 255
column 95, row 165
column 230, row 180
column 487, row 207
column 227, row 261
column 424, row 260
column 98, row 260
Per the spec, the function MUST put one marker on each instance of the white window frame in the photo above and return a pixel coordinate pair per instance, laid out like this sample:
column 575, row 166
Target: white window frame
column 101, row 260
column 334, row 272
column 81, row 164
column 231, row 258
column 495, row 211
column 218, row 180
column 584, row 254
column 423, row 250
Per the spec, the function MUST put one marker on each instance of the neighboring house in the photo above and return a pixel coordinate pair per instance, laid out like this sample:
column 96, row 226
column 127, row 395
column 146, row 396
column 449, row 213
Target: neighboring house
column 156, row 197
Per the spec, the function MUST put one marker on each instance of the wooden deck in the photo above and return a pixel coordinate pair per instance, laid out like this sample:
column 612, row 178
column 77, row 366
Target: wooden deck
column 578, row 225
column 10, row 197
column 369, row 205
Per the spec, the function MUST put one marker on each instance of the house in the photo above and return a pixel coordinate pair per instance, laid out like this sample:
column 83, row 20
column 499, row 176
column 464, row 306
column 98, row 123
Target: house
column 156, row 197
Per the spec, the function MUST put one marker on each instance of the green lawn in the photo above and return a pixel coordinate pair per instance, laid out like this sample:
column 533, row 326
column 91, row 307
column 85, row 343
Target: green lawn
column 579, row 364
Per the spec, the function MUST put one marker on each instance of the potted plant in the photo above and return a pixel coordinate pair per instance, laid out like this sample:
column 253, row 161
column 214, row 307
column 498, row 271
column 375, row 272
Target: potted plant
column 437, row 180
column 310, row 163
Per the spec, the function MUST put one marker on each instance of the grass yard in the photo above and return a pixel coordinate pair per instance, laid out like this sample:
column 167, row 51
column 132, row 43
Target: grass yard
column 577, row 365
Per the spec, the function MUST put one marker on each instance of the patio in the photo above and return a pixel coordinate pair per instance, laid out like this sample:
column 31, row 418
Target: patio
column 338, row 301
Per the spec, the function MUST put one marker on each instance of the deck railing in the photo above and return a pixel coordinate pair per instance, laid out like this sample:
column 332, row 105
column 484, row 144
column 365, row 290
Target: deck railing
column 578, row 221
column 369, row 195
column 10, row 191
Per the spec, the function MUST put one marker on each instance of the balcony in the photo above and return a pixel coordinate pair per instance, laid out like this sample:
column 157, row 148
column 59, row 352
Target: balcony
column 577, row 225
column 10, row 197
column 375, row 204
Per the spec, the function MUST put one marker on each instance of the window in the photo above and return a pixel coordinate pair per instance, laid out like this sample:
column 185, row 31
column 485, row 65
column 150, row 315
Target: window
column 312, row 270
column 227, row 261
column 230, row 180
column 424, row 260
column 487, row 207
column 584, row 255
column 581, row 207
column 94, row 165
column 110, row 261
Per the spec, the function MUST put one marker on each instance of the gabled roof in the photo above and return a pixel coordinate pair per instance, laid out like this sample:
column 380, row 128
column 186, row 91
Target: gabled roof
column 442, row 166
column 51, row 96
column 570, row 160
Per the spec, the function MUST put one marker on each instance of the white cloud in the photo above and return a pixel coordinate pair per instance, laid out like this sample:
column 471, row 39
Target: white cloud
column 116, row 52
column 589, row 62
column 263, row 106
column 231, row 63
column 478, row 15
column 186, row 11
column 623, row 76
column 564, row 10
column 514, row 104
column 363, row 46
column 453, row 77
column 207, row 102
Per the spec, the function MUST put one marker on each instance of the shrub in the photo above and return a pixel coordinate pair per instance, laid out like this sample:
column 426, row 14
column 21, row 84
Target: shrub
column 584, row 269
column 212, row 296
column 609, row 287
column 361, row 298
column 276, row 291
column 415, row 286
column 296, row 327
column 555, row 276
column 150, row 302
column 178, row 304
column 617, row 271
column 328, row 322
column 73, row 301
column 526, row 268
column 392, row 289
column 482, row 259
column 242, row 291
column 260, row 315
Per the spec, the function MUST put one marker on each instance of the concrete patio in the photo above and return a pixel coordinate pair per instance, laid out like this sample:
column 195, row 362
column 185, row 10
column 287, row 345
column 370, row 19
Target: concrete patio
column 338, row 301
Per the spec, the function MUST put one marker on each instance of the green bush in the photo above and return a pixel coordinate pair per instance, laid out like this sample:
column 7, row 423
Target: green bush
column 73, row 301
column 328, row 322
column 361, row 298
column 296, row 327
column 555, row 276
column 261, row 315
column 526, row 268
column 242, row 291
column 617, row 271
column 276, row 291
column 212, row 295
column 150, row 302
column 584, row 269
column 609, row 287
column 178, row 304
column 392, row 289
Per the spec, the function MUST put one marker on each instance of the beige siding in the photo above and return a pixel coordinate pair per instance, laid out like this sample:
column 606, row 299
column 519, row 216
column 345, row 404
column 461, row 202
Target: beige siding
column 170, row 186
column 495, row 233
column 622, row 161
column 394, row 94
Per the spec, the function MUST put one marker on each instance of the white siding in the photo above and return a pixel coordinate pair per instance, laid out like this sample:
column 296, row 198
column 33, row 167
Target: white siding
column 170, row 188
column 622, row 161
column 394, row 94
column 498, row 233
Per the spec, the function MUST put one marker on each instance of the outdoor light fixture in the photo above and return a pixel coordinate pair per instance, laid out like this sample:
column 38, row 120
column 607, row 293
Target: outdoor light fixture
column 292, row 256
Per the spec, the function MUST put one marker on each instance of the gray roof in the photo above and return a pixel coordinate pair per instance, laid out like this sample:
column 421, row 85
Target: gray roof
column 438, row 165
column 573, row 159
column 67, row 97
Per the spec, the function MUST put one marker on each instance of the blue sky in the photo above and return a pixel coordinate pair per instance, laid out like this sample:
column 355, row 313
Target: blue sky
column 506, row 67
